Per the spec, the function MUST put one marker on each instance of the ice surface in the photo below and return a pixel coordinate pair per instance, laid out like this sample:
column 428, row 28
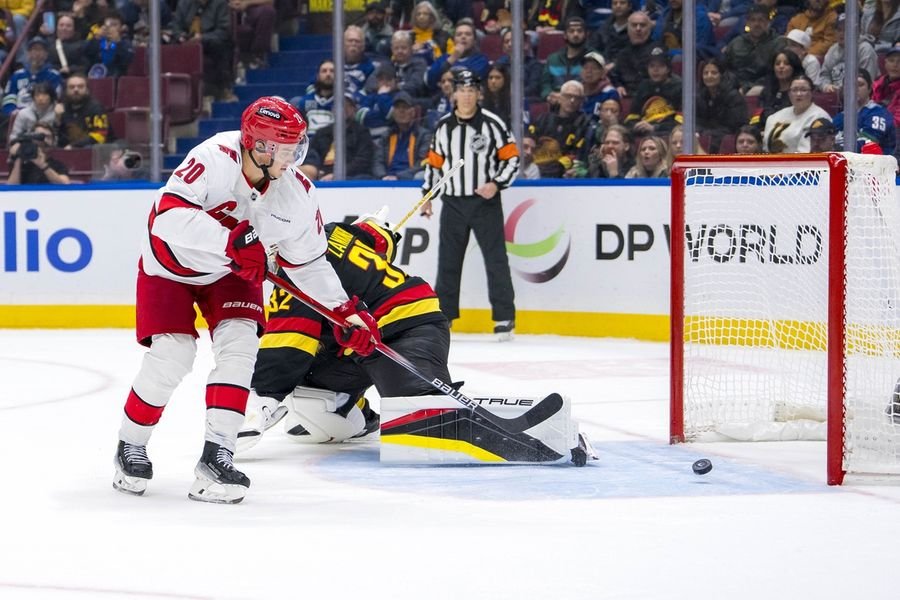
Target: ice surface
column 331, row 522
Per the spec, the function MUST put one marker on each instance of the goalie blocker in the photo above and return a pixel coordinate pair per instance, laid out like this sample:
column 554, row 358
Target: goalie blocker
column 437, row 430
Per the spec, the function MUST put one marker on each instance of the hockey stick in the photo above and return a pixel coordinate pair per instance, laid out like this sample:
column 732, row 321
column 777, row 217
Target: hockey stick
column 431, row 193
column 542, row 411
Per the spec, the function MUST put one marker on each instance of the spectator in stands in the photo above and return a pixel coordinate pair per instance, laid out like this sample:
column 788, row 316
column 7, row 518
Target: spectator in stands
column 610, row 114
column 676, row 145
column 20, row 10
column 495, row 15
column 442, row 102
column 552, row 14
column 611, row 37
column 565, row 64
column 32, row 161
column 208, row 22
column 41, row 110
column 18, row 88
column 631, row 63
column 375, row 107
column 357, row 68
column 89, row 15
column 360, row 158
column 873, row 122
column 316, row 106
column 749, row 55
column 533, row 67
column 785, row 129
column 657, row 102
column 463, row 54
column 597, row 86
column 409, row 69
column 821, row 134
column 496, row 96
column 256, row 25
column 821, row 18
column 108, row 54
column 377, row 31
column 774, row 96
column 66, row 50
column 886, row 90
column 124, row 164
column 748, row 140
column 668, row 29
column 651, row 159
column 430, row 41
column 832, row 79
column 778, row 19
column 722, row 16
column 527, row 168
column 568, row 126
column 885, row 23
column 721, row 110
column 136, row 17
column 612, row 157
column 402, row 152
column 798, row 42
column 82, row 119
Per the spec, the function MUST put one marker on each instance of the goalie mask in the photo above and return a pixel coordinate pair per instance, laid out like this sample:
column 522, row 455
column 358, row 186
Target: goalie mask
column 384, row 241
column 274, row 127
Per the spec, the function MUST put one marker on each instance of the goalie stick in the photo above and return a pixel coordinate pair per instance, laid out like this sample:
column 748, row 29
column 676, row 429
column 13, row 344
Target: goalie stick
column 431, row 193
column 542, row 411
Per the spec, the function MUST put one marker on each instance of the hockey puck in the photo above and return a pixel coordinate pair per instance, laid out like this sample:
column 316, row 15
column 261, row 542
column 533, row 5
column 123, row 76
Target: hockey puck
column 702, row 466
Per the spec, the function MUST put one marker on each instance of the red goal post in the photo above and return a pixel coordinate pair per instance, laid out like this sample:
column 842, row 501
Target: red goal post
column 785, row 304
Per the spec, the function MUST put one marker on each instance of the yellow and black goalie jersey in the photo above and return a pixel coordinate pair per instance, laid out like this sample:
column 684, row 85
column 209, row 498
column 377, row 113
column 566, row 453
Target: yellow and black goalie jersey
column 361, row 256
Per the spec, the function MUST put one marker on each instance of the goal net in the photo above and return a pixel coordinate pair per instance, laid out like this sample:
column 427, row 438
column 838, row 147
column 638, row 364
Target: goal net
column 785, row 293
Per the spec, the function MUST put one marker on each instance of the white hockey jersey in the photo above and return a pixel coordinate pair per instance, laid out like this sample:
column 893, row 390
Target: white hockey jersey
column 208, row 195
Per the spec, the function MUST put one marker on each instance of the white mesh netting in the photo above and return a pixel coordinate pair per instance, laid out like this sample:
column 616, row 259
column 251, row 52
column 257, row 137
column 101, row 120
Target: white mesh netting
column 756, row 306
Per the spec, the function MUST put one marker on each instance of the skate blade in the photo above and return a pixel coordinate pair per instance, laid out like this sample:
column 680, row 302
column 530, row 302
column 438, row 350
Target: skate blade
column 204, row 490
column 504, row 337
column 136, row 486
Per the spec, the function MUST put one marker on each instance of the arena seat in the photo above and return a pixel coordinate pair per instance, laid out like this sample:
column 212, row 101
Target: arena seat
column 548, row 43
column 104, row 91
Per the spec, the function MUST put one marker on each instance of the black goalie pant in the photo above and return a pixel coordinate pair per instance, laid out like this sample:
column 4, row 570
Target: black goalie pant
column 426, row 346
column 459, row 216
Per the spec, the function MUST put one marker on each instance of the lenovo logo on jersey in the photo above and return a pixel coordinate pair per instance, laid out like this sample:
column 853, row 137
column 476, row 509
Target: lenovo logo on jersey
column 67, row 250
column 250, row 305
column 268, row 112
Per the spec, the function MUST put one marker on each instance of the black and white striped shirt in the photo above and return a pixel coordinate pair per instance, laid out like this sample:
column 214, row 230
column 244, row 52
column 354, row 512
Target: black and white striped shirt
column 486, row 145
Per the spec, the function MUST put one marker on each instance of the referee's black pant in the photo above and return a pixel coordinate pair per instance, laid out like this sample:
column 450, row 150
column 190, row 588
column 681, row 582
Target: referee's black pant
column 459, row 216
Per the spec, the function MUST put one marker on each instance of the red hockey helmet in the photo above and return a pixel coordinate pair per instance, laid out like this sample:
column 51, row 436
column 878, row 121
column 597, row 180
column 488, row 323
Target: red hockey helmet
column 272, row 121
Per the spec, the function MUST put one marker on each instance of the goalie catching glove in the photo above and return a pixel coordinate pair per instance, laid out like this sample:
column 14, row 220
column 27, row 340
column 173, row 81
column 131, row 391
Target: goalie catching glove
column 362, row 335
column 248, row 257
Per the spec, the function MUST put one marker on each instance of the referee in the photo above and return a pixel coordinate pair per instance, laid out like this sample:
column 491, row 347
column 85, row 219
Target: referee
column 472, row 199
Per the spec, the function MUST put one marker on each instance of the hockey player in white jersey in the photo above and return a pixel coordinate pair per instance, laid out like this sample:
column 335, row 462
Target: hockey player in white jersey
column 233, row 196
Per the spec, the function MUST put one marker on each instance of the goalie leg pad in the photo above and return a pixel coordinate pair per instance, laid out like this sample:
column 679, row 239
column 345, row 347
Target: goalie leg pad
column 436, row 429
column 312, row 416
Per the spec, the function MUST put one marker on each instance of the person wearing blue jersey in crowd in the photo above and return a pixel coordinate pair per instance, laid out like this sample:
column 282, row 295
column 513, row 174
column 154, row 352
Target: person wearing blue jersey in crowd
column 18, row 88
column 465, row 54
column 874, row 123
column 316, row 105
column 597, row 86
column 357, row 68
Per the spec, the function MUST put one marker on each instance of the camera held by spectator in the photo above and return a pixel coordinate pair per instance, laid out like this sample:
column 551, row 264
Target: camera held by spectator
column 28, row 145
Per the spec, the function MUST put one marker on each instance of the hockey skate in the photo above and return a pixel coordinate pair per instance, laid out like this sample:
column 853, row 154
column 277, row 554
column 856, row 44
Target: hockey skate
column 133, row 469
column 373, row 420
column 262, row 414
column 217, row 479
column 503, row 330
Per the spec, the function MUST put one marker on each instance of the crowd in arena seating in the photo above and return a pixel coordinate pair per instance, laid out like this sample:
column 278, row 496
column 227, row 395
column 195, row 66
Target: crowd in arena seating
column 602, row 79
